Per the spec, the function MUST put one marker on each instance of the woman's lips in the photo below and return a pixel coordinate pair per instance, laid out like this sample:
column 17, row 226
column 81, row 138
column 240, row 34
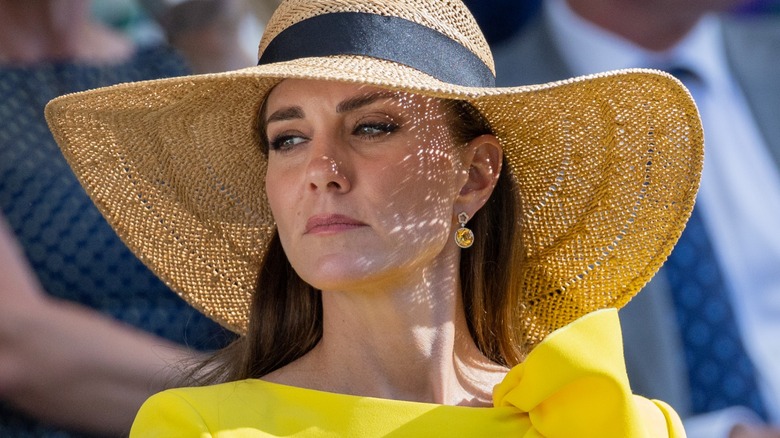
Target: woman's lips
column 331, row 223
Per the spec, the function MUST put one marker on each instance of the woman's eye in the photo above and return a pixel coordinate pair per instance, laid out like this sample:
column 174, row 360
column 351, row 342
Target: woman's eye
column 286, row 142
column 375, row 129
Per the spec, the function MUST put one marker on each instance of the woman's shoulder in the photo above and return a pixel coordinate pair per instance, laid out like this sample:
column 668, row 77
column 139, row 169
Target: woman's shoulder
column 191, row 411
column 237, row 391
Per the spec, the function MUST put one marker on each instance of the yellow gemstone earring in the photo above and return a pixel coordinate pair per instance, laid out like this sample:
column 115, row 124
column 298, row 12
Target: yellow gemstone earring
column 464, row 237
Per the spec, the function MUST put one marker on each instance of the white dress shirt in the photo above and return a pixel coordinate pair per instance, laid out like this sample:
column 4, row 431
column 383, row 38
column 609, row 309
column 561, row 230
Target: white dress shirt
column 740, row 188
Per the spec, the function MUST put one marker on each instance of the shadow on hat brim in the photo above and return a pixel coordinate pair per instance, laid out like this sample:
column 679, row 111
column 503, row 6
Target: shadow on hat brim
column 607, row 168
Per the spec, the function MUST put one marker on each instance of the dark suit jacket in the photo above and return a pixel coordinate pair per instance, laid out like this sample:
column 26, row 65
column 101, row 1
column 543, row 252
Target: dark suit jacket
column 652, row 346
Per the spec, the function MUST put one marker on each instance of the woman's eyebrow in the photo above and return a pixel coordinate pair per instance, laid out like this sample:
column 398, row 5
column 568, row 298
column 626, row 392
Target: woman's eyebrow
column 356, row 102
column 288, row 113
column 351, row 104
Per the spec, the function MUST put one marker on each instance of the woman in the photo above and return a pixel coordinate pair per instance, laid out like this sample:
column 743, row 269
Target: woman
column 400, row 244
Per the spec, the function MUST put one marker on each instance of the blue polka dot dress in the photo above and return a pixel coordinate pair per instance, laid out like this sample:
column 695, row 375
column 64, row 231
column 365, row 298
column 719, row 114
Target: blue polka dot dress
column 73, row 250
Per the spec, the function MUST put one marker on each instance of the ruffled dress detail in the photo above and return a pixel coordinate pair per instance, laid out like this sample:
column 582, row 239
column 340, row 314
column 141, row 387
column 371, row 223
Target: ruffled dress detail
column 574, row 384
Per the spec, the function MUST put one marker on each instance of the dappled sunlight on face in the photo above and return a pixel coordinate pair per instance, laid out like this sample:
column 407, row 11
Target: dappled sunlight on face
column 362, row 183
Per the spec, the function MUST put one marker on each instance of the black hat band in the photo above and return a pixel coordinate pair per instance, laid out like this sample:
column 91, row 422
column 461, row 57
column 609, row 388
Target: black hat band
column 390, row 38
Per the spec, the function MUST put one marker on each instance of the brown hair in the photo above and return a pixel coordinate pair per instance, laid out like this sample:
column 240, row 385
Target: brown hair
column 286, row 312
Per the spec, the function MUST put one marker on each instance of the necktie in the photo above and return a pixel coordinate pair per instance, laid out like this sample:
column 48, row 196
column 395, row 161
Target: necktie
column 720, row 372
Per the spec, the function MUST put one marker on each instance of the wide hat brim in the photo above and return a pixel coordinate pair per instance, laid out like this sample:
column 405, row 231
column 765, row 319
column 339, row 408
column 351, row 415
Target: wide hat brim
column 607, row 168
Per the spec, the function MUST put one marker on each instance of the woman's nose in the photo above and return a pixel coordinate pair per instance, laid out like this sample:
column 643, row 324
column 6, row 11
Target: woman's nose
column 326, row 171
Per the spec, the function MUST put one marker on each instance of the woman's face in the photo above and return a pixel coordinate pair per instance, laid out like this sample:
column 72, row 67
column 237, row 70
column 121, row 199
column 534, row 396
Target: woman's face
column 362, row 182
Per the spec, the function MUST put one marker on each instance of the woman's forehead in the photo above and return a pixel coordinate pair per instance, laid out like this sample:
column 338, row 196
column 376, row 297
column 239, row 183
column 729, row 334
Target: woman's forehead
column 339, row 95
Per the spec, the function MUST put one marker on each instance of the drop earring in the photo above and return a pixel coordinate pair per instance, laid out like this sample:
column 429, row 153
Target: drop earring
column 464, row 237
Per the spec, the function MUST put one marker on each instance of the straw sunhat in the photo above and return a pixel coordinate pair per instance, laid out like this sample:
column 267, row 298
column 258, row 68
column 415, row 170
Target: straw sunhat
column 607, row 166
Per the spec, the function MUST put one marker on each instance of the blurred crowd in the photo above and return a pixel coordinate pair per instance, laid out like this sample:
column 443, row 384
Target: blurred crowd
column 87, row 332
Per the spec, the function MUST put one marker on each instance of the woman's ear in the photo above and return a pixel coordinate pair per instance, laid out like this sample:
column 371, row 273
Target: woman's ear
column 486, row 156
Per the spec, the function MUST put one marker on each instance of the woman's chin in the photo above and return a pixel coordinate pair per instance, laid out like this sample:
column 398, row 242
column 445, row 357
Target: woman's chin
column 343, row 274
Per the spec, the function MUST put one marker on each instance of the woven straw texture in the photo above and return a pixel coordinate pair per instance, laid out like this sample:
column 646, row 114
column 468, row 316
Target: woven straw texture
column 607, row 168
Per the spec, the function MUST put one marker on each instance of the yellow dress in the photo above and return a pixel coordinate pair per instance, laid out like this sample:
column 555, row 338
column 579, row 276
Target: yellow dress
column 573, row 384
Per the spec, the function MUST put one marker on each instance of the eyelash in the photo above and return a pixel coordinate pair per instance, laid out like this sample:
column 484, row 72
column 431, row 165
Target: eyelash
column 382, row 128
column 285, row 142
column 279, row 142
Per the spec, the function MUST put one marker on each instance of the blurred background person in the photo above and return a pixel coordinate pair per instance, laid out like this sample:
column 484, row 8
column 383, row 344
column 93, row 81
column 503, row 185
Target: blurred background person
column 213, row 35
column 705, row 336
column 759, row 7
column 87, row 332
column 500, row 19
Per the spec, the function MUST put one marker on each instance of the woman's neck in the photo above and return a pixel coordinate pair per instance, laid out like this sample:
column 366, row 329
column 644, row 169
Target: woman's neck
column 407, row 343
column 33, row 31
